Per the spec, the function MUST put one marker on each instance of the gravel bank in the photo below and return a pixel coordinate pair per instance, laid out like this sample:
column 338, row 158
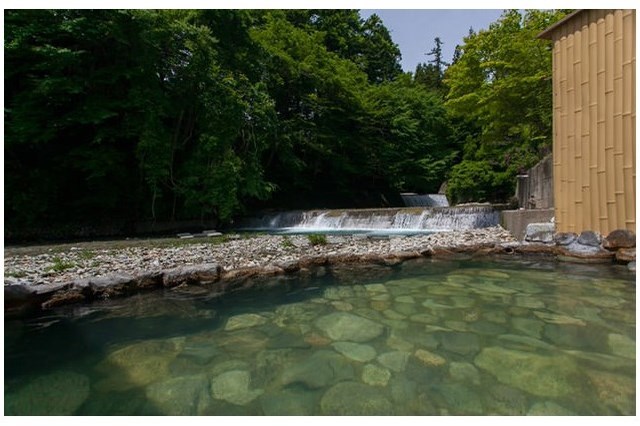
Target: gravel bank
column 79, row 262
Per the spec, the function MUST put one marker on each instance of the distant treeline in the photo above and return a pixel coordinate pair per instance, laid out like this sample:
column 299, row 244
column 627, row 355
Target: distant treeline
column 123, row 116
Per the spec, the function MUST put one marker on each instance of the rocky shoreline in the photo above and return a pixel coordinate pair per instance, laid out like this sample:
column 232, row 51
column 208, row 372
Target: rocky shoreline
column 76, row 275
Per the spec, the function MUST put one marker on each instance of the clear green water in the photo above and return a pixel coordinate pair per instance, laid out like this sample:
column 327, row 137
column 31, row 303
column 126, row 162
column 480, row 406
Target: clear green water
column 425, row 338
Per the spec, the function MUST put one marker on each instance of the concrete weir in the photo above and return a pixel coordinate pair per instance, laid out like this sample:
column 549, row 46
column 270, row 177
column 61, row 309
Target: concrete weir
column 389, row 220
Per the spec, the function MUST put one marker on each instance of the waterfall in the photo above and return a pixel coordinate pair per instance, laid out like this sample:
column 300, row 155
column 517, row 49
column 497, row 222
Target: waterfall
column 424, row 200
column 399, row 220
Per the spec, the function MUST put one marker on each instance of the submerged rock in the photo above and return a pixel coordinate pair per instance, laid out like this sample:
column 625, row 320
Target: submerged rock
column 342, row 326
column 57, row 394
column 355, row 351
column 355, row 399
column 180, row 396
column 550, row 376
column 375, row 375
column 238, row 322
column 322, row 368
column 394, row 361
column 233, row 387
column 549, row 408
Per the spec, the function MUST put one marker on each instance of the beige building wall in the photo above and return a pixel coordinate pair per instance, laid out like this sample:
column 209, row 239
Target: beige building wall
column 594, row 114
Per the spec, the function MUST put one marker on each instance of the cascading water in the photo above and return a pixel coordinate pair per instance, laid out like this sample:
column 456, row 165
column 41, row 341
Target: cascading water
column 424, row 200
column 377, row 221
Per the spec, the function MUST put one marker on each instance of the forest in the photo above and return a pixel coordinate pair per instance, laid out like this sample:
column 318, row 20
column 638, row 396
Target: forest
column 123, row 116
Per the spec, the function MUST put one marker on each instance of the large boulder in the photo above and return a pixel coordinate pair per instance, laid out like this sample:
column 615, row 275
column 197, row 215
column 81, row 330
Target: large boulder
column 620, row 238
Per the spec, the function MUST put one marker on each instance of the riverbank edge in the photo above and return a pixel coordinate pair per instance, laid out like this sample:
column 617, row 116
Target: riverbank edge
column 23, row 298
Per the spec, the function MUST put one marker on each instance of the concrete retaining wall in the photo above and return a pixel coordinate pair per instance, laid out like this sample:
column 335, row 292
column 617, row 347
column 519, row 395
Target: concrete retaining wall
column 516, row 221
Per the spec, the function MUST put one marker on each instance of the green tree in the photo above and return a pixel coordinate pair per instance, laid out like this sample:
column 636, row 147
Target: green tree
column 502, row 83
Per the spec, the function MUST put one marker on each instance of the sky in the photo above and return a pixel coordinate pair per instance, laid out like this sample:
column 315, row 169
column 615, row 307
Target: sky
column 414, row 30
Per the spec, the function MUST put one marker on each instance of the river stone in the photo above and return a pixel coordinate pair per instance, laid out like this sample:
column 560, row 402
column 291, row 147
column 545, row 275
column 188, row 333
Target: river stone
column 338, row 293
column 137, row 365
column 602, row 361
column 355, row 351
column 288, row 402
column 244, row 321
column 528, row 302
column 424, row 318
column 464, row 372
column 232, row 364
column 398, row 343
column 590, row 238
column 540, row 232
column 405, row 299
column 355, row 399
column 376, row 288
column 549, row 376
column 622, row 345
column 180, row 396
column 615, row 391
column 549, row 408
column 342, row 326
column 233, row 387
column 394, row 361
column 60, row 393
column 322, row 368
column 342, row 306
column 619, row 238
column 558, row 319
column 528, row 326
column 393, row 315
column 525, row 342
column 626, row 255
column 460, row 343
column 429, row 358
column 565, row 238
column 461, row 400
column 631, row 266
column 375, row 376
column 505, row 400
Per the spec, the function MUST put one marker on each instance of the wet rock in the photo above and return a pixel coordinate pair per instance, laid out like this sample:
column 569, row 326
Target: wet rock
column 622, row 345
column 200, row 353
column 394, row 361
column 540, row 232
column 355, row 351
column 242, row 341
column 565, row 238
column 429, row 358
column 624, row 255
column 180, row 396
column 460, row 343
column 355, row 399
column 461, row 400
column 619, row 238
column 203, row 273
column 590, row 238
column 322, row 368
column 229, row 365
column 616, row 392
column 550, row 376
column 464, row 372
column 524, row 342
column 238, row 322
column 137, row 365
column 558, row 319
column 342, row 326
column 549, row 408
column 528, row 326
column 505, row 400
column 632, row 266
column 233, row 387
column 57, row 394
column 288, row 402
column 374, row 375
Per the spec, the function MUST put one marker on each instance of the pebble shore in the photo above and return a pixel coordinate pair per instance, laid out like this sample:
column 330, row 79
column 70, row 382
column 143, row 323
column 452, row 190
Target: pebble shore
column 253, row 252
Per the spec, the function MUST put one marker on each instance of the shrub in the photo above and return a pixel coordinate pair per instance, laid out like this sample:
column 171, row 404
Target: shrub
column 477, row 181
column 317, row 239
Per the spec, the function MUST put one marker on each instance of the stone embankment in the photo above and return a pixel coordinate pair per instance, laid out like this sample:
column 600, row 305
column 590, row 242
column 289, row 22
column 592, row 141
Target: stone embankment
column 56, row 277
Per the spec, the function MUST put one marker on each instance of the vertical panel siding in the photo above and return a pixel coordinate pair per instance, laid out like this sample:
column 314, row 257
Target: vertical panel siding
column 594, row 121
